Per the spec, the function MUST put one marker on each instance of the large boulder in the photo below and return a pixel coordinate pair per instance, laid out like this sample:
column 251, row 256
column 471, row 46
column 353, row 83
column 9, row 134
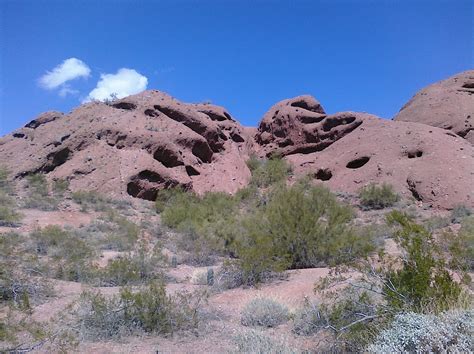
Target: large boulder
column 433, row 166
column 447, row 104
column 300, row 125
column 136, row 145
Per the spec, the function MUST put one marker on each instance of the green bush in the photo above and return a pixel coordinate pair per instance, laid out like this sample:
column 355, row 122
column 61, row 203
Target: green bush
column 460, row 247
column 8, row 215
column 459, row 212
column 38, row 194
column 264, row 312
column 253, row 341
column 60, row 186
column 268, row 172
column 5, row 184
column 377, row 197
column 21, row 282
column 149, row 310
column 424, row 277
column 301, row 227
column 134, row 268
column 70, row 256
column 450, row 332
column 206, row 223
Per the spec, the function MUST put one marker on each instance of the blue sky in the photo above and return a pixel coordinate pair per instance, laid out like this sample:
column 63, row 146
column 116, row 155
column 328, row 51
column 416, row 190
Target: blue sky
column 363, row 55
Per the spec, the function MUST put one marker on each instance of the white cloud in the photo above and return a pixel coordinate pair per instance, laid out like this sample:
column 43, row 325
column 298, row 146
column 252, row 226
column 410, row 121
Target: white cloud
column 69, row 69
column 124, row 83
column 67, row 90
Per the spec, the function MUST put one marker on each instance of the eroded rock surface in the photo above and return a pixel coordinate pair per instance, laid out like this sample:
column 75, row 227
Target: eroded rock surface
column 147, row 142
column 137, row 145
column 447, row 104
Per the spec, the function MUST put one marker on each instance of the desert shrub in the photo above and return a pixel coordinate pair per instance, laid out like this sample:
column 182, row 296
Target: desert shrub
column 60, row 186
column 253, row 341
column 8, row 215
column 264, row 312
column 70, row 256
column 419, row 281
column 111, row 231
column 166, row 197
column 121, row 233
column 21, row 282
column 5, row 184
column 424, row 276
column 229, row 276
column 149, row 310
column 206, row 224
column 90, row 200
column 459, row 212
column 308, row 319
column 436, row 223
column 460, row 247
column 300, row 227
column 133, row 268
column 38, row 194
column 373, row 196
column 451, row 332
column 268, row 172
column 20, row 333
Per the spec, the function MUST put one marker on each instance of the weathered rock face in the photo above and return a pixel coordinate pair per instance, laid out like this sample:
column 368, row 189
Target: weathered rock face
column 150, row 141
column 447, row 104
column 138, row 145
column 300, row 125
column 429, row 164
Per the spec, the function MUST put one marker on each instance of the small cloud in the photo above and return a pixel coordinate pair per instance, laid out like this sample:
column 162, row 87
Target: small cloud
column 69, row 69
column 66, row 90
column 124, row 83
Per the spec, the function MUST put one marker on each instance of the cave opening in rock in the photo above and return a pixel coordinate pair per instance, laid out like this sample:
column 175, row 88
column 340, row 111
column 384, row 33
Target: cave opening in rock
column 358, row 163
column 125, row 105
column 415, row 154
column 323, row 174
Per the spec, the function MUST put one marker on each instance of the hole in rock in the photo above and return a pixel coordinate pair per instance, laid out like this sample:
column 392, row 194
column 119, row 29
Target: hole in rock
column 191, row 171
column 334, row 122
column 414, row 154
column 18, row 135
column 304, row 105
column 468, row 85
column 323, row 174
column 237, row 137
column 151, row 113
column 358, row 163
column 125, row 105
column 413, row 191
column 312, row 119
column 167, row 157
column 56, row 159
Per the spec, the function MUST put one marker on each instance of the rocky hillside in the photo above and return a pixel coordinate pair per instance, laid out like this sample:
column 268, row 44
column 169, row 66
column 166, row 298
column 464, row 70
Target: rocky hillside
column 447, row 104
column 151, row 141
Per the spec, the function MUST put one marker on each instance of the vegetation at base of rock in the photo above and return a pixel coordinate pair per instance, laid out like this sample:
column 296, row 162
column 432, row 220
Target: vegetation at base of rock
column 267, row 172
column 91, row 200
column 149, row 309
column 420, row 282
column 39, row 196
column 264, row 312
column 460, row 212
column 254, row 341
column 450, row 332
column 293, row 227
column 378, row 197
column 424, row 277
column 8, row 214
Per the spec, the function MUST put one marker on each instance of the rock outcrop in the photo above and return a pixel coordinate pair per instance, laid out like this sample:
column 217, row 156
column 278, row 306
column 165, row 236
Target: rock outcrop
column 138, row 145
column 447, row 104
column 147, row 142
